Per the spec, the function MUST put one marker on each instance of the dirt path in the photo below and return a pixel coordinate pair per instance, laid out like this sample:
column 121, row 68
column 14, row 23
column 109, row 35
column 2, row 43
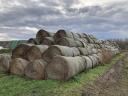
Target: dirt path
column 112, row 83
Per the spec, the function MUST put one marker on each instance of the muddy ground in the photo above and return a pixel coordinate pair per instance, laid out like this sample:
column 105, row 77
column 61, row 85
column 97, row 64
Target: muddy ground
column 113, row 83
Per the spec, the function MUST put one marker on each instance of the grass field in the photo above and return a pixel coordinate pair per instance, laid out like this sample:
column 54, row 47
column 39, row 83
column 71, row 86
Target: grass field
column 11, row 85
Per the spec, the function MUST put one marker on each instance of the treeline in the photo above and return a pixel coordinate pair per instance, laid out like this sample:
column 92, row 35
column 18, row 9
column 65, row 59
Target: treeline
column 122, row 43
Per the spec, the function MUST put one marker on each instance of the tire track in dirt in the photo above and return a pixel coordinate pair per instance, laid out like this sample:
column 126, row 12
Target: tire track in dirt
column 113, row 83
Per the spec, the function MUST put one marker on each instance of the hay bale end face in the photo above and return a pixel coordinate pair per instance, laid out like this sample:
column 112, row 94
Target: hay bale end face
column 18, row 65
column 43, row 33
column 35, row 52
column 5, row 62
column 20, row 50
column 36, row 69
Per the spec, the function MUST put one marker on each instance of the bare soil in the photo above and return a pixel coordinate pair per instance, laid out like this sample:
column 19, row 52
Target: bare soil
column 113, row 83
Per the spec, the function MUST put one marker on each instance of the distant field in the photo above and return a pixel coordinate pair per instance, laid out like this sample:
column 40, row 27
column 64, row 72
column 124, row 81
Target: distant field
column 11, row 85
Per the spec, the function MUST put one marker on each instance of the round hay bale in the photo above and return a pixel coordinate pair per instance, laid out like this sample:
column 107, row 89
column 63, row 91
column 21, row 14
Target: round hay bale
column 98, row 58
column 18, row 66
column 82, row 35
column 33, row 41
column 94, row 60
column 89, row 63
column 43, row 33
column 35, row 52
column 70, row 42
column 20, row 50
column 48, row 41
column 94, row 51
column 63, row 68
column 56, row 50
column 5, row 62
column 89, row 50
column 62, row 33
column 36, row 69
column 83, row 51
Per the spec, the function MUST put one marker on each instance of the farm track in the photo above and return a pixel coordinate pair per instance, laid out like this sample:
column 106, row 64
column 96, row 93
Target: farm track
column 113, row 83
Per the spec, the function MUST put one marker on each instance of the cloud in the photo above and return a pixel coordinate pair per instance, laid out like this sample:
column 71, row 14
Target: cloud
column 20, row 19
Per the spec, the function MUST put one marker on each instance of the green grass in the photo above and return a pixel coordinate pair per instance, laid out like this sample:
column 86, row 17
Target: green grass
column 11, row 85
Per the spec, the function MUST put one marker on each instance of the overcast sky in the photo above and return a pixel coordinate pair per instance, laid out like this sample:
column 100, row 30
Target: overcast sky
column 21, row 19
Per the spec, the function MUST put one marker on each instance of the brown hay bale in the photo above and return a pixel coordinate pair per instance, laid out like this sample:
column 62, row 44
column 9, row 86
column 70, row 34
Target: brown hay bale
column 48, row 41
column 63, row 68
column 36, row 69
column 63, row 33
column 106, row 56
column 33, row 41
column 43, row 33
column 5, row 62
column 20, row 50
column 35, row 52
column 18, row 66
column 70, row 42
column 56, row 50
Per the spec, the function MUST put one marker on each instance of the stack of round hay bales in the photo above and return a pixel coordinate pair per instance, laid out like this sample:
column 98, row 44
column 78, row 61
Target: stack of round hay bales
column 5, row 62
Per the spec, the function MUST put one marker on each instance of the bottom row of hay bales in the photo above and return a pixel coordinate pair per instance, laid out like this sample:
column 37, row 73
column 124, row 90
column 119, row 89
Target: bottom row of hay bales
column 59, row 68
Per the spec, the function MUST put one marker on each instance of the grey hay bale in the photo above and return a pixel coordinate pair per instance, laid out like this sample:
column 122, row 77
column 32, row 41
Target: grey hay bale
column 83, row 51
column 89, row 63
column 36, row 69
column 63, row 68
column 94, row 60
column 56, row 50
column 5, row 62
column 35, row 52
column 70, row 42
column 18, row 66
column 20, row 50
column 94, row 51
column 43, row 33
column 82, row 35
column 33, row 41
column 98, row 58
column 48, row 41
